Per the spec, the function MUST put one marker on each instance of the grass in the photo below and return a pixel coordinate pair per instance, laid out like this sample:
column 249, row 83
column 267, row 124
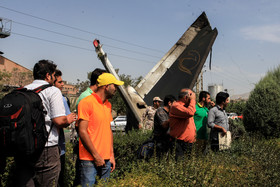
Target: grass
column 251, row 161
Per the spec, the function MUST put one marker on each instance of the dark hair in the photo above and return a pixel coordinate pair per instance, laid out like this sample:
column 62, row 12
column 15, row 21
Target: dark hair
column 168, row 98
column 221, row 97
column 95, row 74
column 57, row 73
column 182, row 94
column 203, row 94
column 43, row 67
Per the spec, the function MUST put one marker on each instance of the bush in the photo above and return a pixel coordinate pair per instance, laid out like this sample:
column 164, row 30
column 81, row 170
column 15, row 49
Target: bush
column 252, row 161
column 236, row 127
column 262, row 110
column 236, row 107
column 125, row 148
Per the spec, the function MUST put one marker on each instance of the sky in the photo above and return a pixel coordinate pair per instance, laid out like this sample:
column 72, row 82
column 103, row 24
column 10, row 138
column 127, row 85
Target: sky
column 137, row 34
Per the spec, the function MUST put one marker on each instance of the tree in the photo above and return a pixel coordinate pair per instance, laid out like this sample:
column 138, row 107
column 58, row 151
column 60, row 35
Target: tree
column 118, row 104
column 4, row 78
column 82, row 86
column 262, row 110
column 236, row 107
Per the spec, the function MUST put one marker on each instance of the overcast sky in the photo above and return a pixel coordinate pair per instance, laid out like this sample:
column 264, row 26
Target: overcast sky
column 137, row 34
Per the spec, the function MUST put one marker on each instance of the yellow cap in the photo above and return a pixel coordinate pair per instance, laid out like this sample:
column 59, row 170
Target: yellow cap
column 108, row 78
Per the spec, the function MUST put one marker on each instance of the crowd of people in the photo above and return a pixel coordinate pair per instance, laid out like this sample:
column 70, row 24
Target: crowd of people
column 181, row 123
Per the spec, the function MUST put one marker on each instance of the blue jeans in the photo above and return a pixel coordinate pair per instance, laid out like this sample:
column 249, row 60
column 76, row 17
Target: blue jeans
column 89, row 172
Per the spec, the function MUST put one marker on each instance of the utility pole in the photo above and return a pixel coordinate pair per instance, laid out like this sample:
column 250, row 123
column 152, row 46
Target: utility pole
column 201, row 80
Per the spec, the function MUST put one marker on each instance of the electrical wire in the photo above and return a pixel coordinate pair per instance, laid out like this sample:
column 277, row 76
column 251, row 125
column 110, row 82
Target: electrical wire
column 81, row 30
column 82, row 39
column 82, row 48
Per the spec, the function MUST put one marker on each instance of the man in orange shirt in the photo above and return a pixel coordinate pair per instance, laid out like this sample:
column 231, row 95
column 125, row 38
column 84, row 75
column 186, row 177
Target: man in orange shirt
column 96, row 145
column 182, row 126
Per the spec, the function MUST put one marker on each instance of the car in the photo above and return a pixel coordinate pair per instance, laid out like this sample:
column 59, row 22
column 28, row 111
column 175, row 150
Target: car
column 119, row 123
column 234, row 116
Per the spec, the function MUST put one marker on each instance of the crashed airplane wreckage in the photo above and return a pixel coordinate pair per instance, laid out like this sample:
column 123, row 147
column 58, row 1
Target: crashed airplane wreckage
column 179, row 68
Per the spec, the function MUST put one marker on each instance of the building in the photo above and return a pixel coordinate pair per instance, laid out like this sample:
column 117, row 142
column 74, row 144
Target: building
column 213, row 89
column 69, row 89
column 16, row 75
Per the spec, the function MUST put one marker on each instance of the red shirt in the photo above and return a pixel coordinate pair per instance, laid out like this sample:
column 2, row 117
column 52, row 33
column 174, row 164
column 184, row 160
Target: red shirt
column 181, row 121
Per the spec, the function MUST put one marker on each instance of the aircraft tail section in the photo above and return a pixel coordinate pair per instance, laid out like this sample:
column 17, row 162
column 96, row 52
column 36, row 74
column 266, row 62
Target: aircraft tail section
column 182, row 64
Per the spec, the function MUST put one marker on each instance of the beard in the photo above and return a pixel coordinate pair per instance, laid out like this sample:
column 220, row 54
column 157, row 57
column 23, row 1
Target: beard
column 109, row 94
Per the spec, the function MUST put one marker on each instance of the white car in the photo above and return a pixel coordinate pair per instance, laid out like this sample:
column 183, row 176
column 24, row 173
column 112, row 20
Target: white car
column 119, row 123
column 232, row 115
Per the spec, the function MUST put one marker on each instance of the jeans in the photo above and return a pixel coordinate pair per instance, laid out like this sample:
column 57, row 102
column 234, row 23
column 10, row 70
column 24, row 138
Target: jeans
column 181, row 149
column 89, row 172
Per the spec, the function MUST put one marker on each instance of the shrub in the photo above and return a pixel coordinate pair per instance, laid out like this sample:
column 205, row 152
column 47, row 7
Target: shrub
column 125, row 148
column 262, row 110
column 236, row 128
column 252, row 161
column 237, row 107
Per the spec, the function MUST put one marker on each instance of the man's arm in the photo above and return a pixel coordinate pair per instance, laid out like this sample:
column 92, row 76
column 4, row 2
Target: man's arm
column 64, row 121
column 181, row 111
column 165, row 124
column 162, row 119
column 84, row 137
column 211, row 124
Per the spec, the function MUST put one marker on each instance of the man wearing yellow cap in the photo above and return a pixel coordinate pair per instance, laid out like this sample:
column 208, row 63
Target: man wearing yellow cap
column 96, row 145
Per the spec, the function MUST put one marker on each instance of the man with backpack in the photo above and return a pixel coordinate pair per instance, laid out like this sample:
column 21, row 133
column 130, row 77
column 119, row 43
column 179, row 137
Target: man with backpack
column 45, row 170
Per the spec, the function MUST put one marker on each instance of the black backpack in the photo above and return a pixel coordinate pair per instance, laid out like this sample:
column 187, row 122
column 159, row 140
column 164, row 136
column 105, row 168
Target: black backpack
column 146, row 150
column 22, row 124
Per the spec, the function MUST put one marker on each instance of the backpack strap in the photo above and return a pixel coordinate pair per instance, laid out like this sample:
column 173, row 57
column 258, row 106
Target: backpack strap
column 37, row 90
column 41, row 88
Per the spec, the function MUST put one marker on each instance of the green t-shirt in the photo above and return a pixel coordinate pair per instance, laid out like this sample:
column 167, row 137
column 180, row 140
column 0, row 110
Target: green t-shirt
column 200, row 120
column 86, row 93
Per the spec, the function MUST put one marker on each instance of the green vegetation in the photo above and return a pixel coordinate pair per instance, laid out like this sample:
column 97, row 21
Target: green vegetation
column 262, row 110
column 251, row 161
column 4, row 78
column 236, row 107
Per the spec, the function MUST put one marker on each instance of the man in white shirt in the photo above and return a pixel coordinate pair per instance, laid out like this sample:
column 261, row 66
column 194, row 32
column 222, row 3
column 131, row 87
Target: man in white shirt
column 47, row 167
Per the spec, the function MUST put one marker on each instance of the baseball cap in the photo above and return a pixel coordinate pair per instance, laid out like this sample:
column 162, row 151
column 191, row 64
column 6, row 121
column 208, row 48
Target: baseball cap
column 157, row 99
column 108, row 78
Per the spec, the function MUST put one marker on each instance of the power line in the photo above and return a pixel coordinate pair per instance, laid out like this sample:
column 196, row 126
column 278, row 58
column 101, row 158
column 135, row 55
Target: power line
column 82, row 39
column 232, row 76
column 238, row 67
column 243, row 84
column 73, row 46
column 81, row 30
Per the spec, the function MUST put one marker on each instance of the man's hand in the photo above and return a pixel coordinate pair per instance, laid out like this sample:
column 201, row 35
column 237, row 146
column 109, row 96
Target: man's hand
column 192, row 95
column 212, row 103
column 224, row 131
column 99, row 161
column 221, row 129
column 71, row 118
column 113, row 164
column 165, row 124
